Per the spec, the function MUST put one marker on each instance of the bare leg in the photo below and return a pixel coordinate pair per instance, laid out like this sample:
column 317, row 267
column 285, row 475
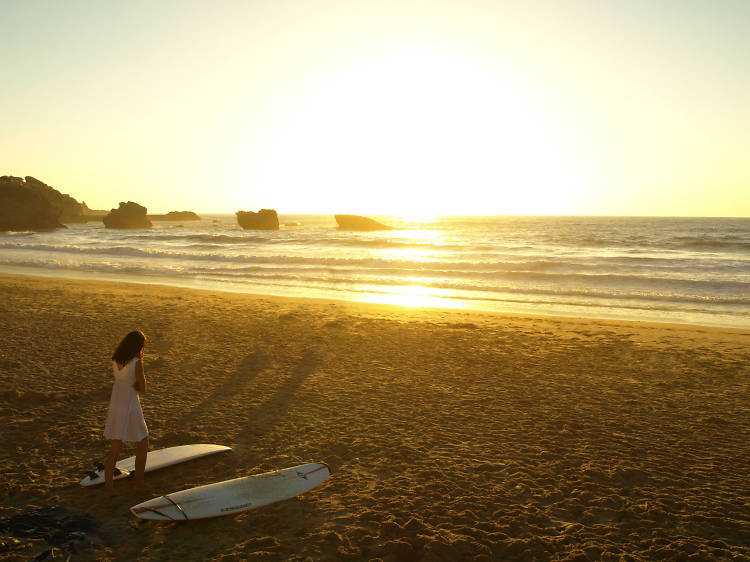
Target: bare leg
column 109, row 466
column 140, row 462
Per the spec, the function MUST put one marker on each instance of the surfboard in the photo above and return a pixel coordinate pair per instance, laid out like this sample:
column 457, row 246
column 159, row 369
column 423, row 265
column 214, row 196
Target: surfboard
column 155, row 460
column 233, row 496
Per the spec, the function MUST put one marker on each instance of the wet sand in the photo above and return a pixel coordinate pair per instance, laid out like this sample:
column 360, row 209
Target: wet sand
column 451, row 435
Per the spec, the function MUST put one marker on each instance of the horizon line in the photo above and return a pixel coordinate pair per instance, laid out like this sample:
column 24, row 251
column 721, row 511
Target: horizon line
column 447, row 215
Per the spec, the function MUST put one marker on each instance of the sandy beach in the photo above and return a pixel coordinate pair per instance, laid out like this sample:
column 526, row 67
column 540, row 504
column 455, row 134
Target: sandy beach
column 451, row 435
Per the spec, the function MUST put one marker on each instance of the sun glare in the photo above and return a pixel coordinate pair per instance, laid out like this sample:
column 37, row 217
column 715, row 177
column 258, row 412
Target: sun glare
column 418, row 133
column 412, row 296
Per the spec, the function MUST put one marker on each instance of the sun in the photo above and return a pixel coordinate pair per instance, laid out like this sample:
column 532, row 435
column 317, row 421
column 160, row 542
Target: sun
column 418, row 133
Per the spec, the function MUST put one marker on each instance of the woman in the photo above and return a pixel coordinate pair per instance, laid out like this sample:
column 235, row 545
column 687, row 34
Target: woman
column 125, row 418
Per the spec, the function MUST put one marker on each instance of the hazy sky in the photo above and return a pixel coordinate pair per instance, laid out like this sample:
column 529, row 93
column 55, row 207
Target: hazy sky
column 398, row 107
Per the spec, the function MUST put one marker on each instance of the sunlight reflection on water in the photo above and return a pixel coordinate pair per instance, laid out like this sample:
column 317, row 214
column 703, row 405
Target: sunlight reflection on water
column 413, row 296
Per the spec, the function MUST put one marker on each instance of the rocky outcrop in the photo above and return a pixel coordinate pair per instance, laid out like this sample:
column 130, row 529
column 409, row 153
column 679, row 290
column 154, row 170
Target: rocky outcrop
column 355, row 222
column 70, row 210
column 176, row 216
column 128, row 215
column 23, row 209
column 92, row 214
column 265, row 219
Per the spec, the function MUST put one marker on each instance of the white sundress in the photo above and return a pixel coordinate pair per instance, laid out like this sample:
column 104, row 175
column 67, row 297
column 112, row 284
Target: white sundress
column 125, row 417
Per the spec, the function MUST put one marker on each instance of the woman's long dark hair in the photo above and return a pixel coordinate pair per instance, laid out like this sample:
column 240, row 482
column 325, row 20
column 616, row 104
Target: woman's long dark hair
column 129, row 347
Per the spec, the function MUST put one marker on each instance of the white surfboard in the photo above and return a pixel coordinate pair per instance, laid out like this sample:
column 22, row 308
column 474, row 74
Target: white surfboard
column 233, row 496
column 156, row 460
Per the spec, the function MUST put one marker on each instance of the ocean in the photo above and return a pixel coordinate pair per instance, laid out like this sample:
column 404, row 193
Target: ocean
column 683, row 270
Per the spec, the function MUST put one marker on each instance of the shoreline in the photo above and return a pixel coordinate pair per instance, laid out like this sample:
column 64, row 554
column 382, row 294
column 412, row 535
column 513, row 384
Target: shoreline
column 226, row 288
column 451, row 434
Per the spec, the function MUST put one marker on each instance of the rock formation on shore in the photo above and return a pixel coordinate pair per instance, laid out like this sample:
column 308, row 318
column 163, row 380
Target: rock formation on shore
column 265, row 219
column 128, row 215
column 22, row 208
column 71, row 210
column 355, row 222
column 92, row 214
column 176, row 216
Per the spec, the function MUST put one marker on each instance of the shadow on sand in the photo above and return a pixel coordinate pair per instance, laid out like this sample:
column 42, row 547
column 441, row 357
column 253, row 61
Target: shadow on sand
column 265, row 416
column 247, row 369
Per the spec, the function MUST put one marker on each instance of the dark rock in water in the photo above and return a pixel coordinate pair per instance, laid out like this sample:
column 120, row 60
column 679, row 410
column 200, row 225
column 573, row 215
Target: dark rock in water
column 128, row 215
column 23, row 209
column 72, row 210
column 265, row 219
column 176, row 216
column 355, row 222
column 12, row 180
column 92, row 214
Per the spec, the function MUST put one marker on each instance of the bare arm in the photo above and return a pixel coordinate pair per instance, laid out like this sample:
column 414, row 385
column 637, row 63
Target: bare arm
column 140, row 377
